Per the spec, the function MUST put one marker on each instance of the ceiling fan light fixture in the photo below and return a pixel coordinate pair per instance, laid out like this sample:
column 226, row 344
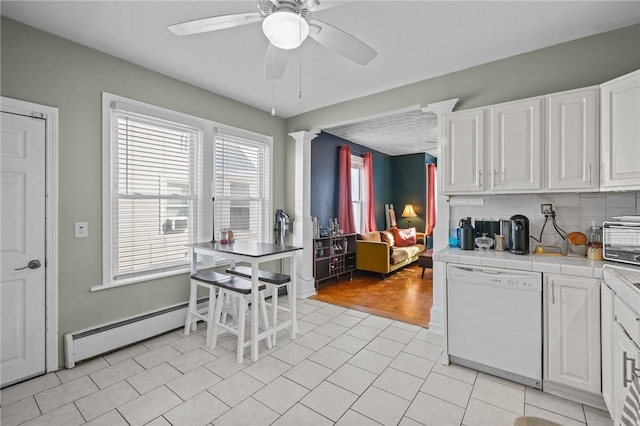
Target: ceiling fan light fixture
column 285, row 29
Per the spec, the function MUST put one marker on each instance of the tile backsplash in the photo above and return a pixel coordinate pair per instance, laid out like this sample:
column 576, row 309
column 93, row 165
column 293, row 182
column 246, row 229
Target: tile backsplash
column 574, row 211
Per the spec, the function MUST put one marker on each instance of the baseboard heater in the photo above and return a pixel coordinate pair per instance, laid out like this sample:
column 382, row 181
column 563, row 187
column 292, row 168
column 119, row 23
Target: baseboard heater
column 91, row 342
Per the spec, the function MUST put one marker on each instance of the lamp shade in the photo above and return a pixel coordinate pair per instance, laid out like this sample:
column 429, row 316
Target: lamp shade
column 408, row 211
column 285, row 29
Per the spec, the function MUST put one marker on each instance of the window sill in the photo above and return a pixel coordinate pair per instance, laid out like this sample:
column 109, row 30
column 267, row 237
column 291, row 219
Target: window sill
column 146, row 277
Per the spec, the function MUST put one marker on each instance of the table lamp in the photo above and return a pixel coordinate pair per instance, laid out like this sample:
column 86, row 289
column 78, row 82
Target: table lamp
column 408, row 212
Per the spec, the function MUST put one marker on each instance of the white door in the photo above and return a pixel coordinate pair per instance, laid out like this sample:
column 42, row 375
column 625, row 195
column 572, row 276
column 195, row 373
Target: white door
column 625, row 356
column 573, row 149
column 463, row 151
column 606, row 330
column 620, row 133
column 515, row 139
column 573, row 335
column 22, row 247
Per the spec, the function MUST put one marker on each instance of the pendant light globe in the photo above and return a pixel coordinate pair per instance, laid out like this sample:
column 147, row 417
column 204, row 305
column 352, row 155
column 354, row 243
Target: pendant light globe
column 285, row 29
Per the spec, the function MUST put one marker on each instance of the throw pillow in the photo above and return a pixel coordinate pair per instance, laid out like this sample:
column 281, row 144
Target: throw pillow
column 405, row 237
column 387, row 237
column 370, row 236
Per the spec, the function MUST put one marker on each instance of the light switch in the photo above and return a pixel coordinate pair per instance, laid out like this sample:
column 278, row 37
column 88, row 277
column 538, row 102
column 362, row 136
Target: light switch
column 82, row 229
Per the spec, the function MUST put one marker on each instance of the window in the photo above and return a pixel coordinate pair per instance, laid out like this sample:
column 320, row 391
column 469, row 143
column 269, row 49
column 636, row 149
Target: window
column 357, row 191
column 160, row 168
column 154, row 193
column 242, row 186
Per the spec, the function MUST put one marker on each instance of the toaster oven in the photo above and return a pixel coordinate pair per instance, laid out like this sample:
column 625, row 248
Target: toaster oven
column 622, row 241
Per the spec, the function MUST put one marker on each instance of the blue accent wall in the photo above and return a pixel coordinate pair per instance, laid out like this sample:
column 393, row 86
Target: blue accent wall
column 398, row 180
column 324, row 177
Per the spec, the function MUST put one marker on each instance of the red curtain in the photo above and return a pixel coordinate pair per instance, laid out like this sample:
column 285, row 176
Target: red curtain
column 431, row 198
column 369, row 213
column 345, row 202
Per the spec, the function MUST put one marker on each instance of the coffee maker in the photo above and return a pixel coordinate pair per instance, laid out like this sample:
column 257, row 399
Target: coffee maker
column 282, row 226
column 519, row 241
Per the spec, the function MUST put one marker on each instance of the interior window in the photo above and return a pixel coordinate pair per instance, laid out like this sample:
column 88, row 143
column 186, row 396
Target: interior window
column 357, row 191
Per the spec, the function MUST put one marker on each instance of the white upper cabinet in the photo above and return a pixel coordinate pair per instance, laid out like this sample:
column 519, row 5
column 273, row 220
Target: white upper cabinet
column 572, row 140
column 620, row 133
column 547, row 143
column 463, row 151
column 515, row 141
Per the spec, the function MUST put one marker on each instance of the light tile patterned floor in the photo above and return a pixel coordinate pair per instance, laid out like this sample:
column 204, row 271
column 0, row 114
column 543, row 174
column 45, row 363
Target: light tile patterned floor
column 345, row 368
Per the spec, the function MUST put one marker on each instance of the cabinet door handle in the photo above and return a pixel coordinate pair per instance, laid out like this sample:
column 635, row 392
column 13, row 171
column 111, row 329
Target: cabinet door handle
column 553, row 293
column 493, row 182
column 480, row 178
column 590, row 179
column 625, row 360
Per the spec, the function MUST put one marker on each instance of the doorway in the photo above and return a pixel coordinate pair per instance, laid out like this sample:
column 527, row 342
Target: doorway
column 28, row 243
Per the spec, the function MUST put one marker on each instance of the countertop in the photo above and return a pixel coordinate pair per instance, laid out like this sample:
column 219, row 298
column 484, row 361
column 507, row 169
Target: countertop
column 576, row 266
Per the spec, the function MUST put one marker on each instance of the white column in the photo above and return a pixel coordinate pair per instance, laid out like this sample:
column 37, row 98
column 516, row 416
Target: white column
column 441, row 230
column 302, row 226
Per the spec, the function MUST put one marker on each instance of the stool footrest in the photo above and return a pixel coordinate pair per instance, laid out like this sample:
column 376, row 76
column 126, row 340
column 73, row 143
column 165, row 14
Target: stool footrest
column 264, row 276
column 228, row 282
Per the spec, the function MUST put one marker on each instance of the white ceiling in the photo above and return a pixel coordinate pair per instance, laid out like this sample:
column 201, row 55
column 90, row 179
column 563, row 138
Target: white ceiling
column 398, row 133
column 415, row 40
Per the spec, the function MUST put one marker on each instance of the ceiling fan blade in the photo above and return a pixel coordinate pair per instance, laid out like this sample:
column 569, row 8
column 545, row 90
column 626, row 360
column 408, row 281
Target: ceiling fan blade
column 275, row 62
column 214, row 23
column 341, row 42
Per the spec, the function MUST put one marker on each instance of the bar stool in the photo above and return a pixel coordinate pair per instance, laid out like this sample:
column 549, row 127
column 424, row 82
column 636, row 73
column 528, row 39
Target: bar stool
column 276, row 281
column 233, row 299
column 205, row 314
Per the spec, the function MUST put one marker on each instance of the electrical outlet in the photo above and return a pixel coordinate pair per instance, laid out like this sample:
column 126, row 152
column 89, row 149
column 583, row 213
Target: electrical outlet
column 546, row 209
column 81, row 229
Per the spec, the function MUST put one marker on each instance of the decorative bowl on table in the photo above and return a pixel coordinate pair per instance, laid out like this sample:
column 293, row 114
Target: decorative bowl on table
column 484, row 242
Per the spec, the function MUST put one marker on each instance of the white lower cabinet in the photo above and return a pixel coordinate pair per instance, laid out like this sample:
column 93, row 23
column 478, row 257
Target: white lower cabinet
column 572, row 338
column 606, row 319
column 626, row 356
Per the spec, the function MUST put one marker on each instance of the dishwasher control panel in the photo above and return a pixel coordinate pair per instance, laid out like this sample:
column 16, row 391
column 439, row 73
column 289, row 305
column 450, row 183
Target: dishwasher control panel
column 494, row 277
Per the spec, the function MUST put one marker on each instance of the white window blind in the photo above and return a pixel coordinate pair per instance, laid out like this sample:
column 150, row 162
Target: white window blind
column 156, row 193
column 242, row 187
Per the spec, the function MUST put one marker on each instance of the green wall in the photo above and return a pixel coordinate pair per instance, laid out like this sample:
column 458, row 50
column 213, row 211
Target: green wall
column 41, row 68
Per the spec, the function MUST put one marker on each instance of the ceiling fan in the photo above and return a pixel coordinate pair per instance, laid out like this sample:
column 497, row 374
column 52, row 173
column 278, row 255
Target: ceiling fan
column 286, row 23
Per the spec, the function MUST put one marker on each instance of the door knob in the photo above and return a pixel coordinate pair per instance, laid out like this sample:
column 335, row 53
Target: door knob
column 34, row 264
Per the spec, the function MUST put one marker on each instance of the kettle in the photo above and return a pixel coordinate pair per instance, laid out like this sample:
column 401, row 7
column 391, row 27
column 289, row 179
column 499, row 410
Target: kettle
column 467, row 234
column 519, row 243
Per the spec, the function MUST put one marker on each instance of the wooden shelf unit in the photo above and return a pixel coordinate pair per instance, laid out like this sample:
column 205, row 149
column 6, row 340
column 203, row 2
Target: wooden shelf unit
column 333, row 257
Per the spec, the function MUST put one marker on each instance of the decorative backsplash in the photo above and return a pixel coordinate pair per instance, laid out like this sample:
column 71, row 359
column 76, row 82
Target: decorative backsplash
column 574, row 212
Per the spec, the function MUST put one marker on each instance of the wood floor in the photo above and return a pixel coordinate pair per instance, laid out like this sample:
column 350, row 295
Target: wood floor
column 402, row 296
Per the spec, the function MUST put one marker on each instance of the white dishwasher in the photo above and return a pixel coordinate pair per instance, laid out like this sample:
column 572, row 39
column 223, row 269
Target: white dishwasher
column 494, row 322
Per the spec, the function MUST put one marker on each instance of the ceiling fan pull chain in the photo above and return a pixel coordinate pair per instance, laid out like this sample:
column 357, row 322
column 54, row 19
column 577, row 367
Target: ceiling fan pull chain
column 273, row 98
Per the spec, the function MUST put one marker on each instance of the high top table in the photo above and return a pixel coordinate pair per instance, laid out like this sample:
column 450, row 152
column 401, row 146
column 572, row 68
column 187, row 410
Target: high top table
column 254, row 253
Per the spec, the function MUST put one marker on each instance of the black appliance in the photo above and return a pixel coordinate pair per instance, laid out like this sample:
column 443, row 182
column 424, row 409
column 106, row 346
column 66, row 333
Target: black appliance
column 519, row 242
column 467, row 234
